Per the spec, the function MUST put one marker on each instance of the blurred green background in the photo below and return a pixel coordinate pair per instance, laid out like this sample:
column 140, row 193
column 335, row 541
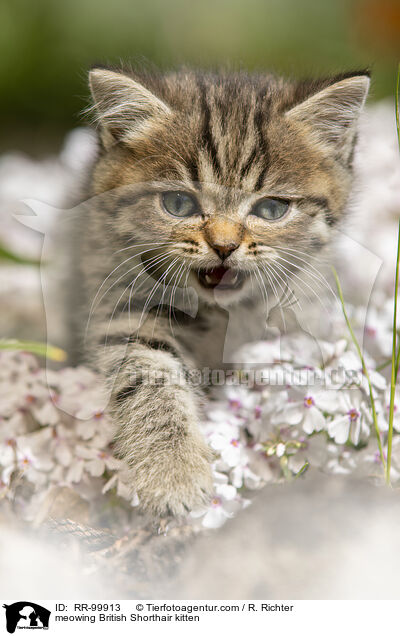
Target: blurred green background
column 46, row 47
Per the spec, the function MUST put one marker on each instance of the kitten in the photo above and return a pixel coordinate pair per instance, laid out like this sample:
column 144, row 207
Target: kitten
column 209, row 189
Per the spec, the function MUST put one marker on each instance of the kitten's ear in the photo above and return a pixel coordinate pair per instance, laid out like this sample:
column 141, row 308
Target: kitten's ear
column 124, row 108
column 332, row 113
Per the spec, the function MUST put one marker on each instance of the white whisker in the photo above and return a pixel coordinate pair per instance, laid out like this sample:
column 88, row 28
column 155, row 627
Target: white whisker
column 317, row 276
column 154, row 289
column 131, row 286
column 303, row 282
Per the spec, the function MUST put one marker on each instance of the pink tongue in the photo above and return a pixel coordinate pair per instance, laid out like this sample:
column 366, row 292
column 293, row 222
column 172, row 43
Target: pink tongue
column 219, row 273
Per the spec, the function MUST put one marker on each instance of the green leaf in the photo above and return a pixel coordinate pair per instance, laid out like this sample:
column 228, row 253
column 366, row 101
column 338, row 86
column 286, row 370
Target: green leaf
column 8, row 255
column 37, row 348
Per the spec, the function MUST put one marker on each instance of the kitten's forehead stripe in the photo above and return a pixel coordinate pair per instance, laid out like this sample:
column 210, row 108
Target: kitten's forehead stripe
column 248, row 164
column 260, row 116
column 207, row 139
column 230, row 138
column 192, row 166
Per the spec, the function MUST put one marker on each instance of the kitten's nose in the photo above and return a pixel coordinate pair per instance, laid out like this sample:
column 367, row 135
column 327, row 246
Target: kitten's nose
column 224, row 235
column 225, row 249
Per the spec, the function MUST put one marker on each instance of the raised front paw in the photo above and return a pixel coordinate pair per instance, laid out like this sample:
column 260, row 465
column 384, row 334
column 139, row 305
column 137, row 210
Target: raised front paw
column 175, row 480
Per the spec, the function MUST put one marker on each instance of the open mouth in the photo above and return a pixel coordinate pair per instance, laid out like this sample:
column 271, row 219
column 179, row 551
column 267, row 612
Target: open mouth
column 223, row 278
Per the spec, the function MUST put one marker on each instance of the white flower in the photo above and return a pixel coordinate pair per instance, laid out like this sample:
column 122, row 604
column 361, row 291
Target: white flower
column 62, row 444
column 224, row 504
column 226, row 441
column 75, row 470
column 33, row 460
column 46, row 414
column 87, row 428
column 12, row 427
column 242, row 475
column 98, row 460
column 354, row 423
column 240, row 398
column 307, row 411
column 332, row 352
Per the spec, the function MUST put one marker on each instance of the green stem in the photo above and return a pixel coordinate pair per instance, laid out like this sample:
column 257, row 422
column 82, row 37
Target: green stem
column 395, row 356
column 364, row 367
column 397, row 361
column 394, row 366
column 382, row 366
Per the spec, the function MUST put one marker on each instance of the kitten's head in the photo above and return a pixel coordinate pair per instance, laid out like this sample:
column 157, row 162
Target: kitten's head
column 239, row 177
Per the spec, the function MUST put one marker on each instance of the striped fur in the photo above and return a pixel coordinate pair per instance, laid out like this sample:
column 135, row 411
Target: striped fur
column 230, row 140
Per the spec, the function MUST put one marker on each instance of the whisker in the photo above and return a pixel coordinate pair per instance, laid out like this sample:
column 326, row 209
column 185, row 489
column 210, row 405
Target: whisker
column 92, row 307
column 173, row 293
column 186, row 290
column 154, row 245
column 155, row 258
column 283, row 284
column 291, row 274
column 130, row 285
column 278, row 272
column 319, row 260
column 280, row 247
column 159, row 307
column 271, row 282
column 317, row 276
column 153, row 291
column 158, row 264
column 262, row 287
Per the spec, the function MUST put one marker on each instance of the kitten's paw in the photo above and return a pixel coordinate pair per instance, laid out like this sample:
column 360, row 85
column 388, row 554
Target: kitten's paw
column 178, row 482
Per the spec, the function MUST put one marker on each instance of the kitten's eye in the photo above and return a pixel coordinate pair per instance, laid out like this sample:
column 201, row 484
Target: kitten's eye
column 270, row 209
column 179, row 203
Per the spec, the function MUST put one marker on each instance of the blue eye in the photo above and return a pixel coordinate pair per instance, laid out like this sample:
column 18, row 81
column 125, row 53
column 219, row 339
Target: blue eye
column 179, row 203
column 270, row 209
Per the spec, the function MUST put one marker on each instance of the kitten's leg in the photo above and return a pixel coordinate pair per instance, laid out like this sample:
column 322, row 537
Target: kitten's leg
column 156, row 426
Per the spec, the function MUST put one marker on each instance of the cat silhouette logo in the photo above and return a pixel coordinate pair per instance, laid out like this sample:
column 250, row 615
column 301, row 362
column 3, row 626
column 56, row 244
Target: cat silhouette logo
column 26, row 615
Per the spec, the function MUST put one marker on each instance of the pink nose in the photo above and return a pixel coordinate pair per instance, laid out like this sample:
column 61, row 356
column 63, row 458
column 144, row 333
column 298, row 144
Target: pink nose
column 224, row 235
column 225, row 249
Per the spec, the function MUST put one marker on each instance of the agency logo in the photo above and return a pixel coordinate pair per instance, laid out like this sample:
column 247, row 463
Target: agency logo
column 26, row 615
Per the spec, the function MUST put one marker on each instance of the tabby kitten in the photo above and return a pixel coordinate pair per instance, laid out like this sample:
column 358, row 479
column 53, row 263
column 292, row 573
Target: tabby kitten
column 208, row 193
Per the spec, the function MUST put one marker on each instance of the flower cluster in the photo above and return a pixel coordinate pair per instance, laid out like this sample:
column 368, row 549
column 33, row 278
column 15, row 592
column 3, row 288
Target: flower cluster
column 274, row 433
column 53, row 432
column 43, row 439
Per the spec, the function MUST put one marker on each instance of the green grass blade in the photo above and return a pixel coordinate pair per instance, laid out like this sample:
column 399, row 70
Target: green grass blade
column 394, row 365
column 398, row 139
column 364, row 368
column 395, row 356
column 7, row 255
column 37, row 348
column 385, row 364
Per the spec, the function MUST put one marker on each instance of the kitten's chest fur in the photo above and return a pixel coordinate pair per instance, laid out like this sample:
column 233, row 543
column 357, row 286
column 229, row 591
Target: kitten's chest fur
column 215, row 336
